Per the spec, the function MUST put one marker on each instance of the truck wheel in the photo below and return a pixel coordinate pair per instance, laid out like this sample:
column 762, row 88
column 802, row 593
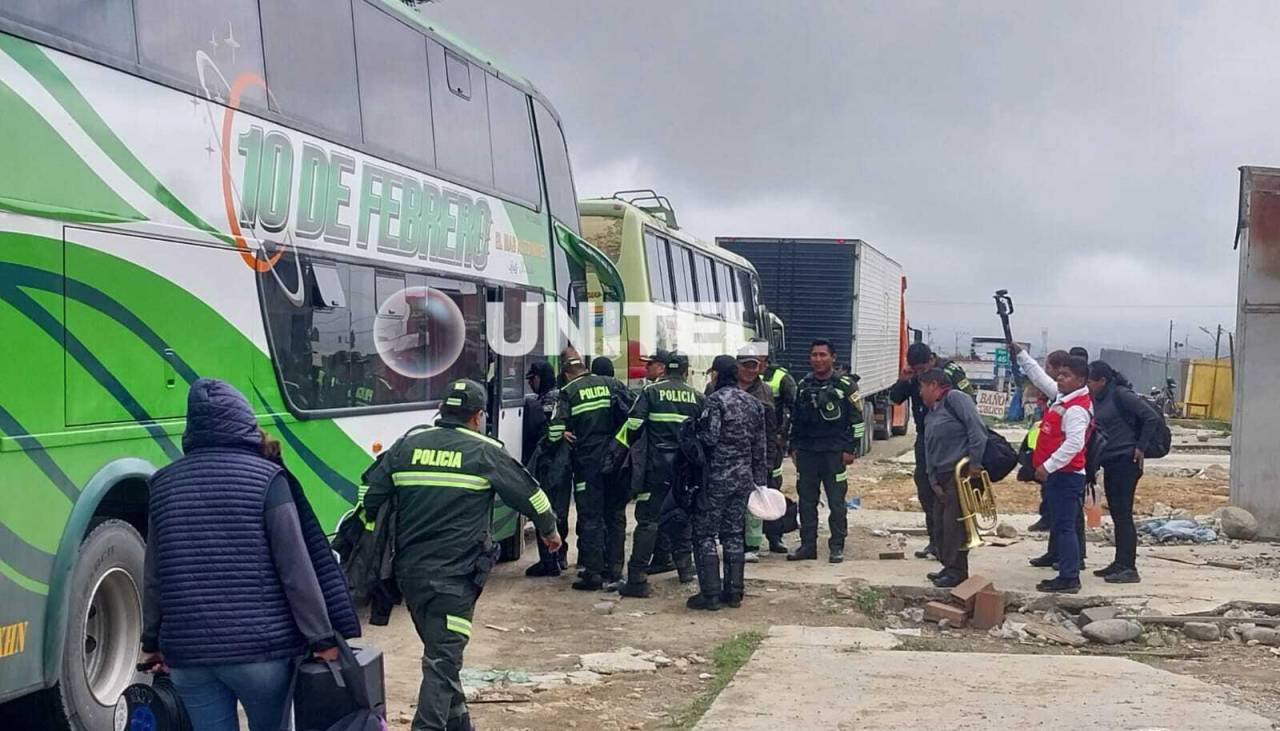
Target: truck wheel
column 899, row 431
column 513, row 547
column 104, row 628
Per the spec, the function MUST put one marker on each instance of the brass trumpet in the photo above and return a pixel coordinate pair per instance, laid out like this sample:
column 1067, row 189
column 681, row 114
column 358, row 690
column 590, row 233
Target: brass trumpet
column 977, row 503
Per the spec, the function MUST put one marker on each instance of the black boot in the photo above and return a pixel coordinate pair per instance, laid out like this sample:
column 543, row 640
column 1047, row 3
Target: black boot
column 661, row 563
column 776, row 545
column 803, row 553
column 734, row 580
column 589, row 582
column 708, row 596
column 685, row 570
column 548, row 566
column 636, row 586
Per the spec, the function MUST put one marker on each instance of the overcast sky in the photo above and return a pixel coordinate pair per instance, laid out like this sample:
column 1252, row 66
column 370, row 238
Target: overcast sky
column 1082, row 155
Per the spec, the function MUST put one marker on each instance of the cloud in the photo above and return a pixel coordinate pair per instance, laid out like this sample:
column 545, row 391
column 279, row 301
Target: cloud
column 1083, row 156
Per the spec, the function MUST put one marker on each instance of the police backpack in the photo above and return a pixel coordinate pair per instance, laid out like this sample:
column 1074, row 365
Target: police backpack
column 152, row 707
column 343, row 695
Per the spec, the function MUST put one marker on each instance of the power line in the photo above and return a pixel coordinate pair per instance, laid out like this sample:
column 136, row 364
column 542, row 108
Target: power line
column 1077, row 306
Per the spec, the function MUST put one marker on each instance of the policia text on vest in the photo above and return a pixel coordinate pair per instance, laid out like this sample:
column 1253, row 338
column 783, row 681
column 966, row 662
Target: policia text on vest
column 442, row 481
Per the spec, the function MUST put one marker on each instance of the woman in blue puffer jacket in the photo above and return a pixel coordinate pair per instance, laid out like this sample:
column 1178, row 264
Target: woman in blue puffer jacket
column 240, row 581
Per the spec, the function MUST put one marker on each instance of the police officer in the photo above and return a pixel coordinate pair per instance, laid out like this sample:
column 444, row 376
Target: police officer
column 921, row 360
column 584, row 417
column 825, row 439
column 783, row 388
column 444, row 479
column 547, row 462
column 652, row 432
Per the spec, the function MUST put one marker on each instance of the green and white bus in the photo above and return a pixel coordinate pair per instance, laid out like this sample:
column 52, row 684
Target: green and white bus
column 682, row 292
column 315, row 200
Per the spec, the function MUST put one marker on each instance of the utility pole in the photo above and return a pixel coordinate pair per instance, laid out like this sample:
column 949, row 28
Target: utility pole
column 1168, row 354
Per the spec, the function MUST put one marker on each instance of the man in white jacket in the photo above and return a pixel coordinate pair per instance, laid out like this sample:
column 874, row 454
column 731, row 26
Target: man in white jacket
column 1059, row 460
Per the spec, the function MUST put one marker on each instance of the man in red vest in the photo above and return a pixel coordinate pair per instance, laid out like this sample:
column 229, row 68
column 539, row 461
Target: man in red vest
column 1059, row 459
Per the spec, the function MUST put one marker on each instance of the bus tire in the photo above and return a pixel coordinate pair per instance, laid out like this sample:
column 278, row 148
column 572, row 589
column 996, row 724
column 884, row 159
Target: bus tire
column 899, row 431
column 104, row 629
column 513, row 546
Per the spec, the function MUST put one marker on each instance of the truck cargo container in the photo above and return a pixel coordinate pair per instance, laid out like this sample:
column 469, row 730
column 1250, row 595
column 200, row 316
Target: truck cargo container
column 845, row 291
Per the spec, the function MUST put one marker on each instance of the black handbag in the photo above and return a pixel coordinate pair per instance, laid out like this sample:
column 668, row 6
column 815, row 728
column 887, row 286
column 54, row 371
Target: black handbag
column 344, row 695
column 155, row 706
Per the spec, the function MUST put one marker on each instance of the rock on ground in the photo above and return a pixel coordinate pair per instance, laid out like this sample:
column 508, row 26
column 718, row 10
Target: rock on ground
column 1112, row 631
column 1238, row 523
column 1004, row 530
column 1203, row 631
column 1090, row 615
column 608, row 663
column 1262, row 635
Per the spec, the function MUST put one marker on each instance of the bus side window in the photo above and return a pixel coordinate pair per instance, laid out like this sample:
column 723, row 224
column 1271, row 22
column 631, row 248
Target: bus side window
column 169, row 34
column 106, row 25
column 655, row 249
column 395, row 96
column 311, row 76
column 460, row 114
column 747, row 296
column 728, row 297
column 555, row 169
column 707, row 299
column 682, row 273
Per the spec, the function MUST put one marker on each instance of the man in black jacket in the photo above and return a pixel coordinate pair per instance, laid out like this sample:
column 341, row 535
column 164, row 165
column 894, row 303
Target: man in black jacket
column 921, row 360
column 1130, row 424
column 825, row 439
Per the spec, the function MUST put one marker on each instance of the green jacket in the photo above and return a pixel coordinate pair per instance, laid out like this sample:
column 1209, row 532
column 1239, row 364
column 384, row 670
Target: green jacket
column 828, row 416
column 659, row 410
column 586, row 409
column 783, row 387
column 443, row 480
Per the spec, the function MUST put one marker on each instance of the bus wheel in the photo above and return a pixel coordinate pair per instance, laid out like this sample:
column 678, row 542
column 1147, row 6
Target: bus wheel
column 513, row 546
column 104, row 627
column 899, row 431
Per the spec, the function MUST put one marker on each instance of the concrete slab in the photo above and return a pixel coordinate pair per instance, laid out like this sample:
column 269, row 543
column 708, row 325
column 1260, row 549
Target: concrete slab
column 833, row 637
column 1167, row 586
column 789, row 686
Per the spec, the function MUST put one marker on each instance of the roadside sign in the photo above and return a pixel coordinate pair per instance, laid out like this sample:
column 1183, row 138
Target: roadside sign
column 993, row 403
column 1002, row 356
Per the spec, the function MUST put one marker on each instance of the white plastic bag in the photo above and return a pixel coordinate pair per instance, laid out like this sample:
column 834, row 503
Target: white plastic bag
column 766, row 503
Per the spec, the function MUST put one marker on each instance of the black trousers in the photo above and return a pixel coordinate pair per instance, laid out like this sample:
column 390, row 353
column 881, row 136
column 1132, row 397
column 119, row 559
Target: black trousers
column 442, row 609
column 1120, row 481
column 559, row 495
column 951, row 534
column 818, row 471
column 675, row 533
column 589, row 491
column 924, row 492
column 649, row 513
column 773, row 529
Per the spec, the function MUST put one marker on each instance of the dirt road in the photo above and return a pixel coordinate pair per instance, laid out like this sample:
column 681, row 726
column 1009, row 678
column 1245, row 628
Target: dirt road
column 526, row 626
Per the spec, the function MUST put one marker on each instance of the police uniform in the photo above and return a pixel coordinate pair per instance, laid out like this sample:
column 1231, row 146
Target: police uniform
column 586, row 409
column 910, row 389
column 828, row 424
column 443, row 480
column 549, row 465
column 652, row 432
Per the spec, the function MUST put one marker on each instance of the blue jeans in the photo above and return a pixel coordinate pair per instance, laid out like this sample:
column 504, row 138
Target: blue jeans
column 1064, row 492
column 210, row 694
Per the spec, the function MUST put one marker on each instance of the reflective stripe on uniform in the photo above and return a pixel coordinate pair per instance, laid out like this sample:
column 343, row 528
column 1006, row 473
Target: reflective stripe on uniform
column 642, row 497
column 579, row 487
column 634, row 422
column 440, row 479
column 842, row 475
column 668, row 418
column 859, row 429
column 1032, row 434
column 540, row 502
column 586, row 406
column 457, row 624
column 777, row 472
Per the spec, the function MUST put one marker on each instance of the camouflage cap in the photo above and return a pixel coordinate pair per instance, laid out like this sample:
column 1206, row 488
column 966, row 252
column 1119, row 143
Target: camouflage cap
column 465, row 393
